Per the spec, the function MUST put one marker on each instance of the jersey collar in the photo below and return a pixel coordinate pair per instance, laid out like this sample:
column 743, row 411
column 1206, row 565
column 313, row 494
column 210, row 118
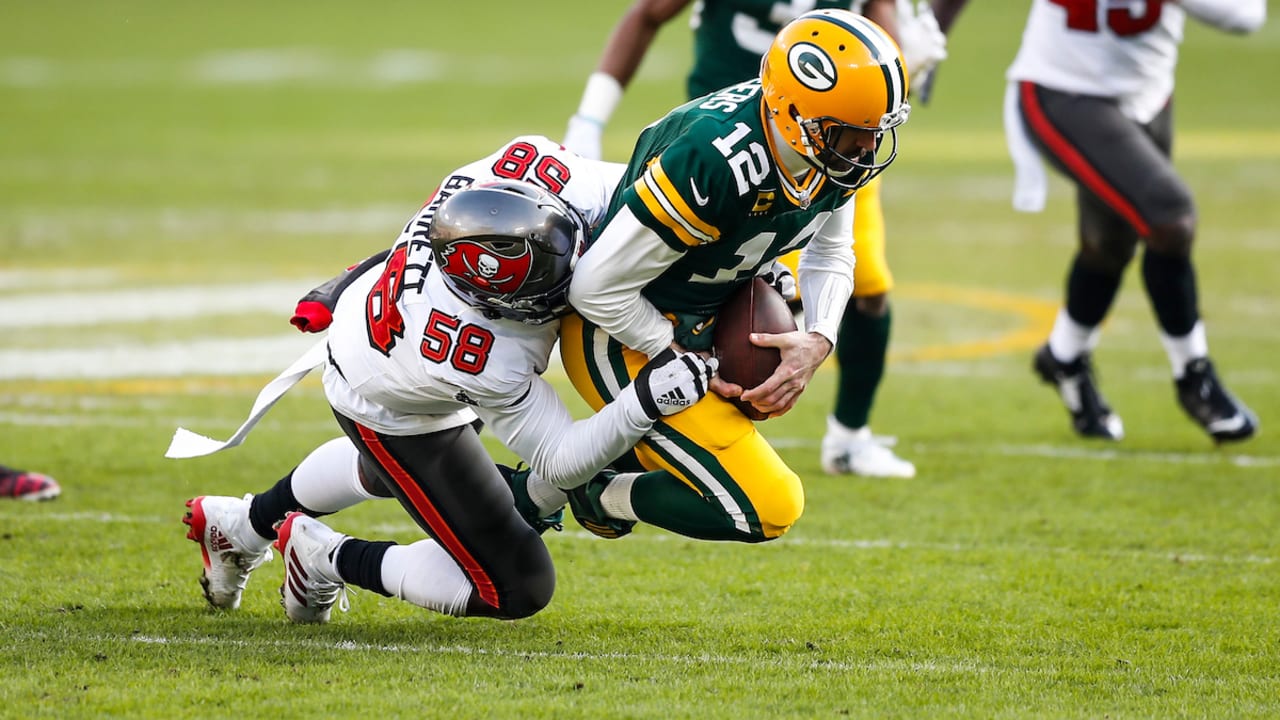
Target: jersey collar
column 799, row 192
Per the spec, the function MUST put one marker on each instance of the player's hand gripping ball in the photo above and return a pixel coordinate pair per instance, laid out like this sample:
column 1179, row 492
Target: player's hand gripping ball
column 756, row 307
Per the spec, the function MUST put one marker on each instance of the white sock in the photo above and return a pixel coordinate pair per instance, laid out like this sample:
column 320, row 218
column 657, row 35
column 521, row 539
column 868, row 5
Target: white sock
column 839, row 430
column 425, row 575
column 616, row 498
column 546, row 496
column 328, row 480
column 1069, row 339
column 1182, row 350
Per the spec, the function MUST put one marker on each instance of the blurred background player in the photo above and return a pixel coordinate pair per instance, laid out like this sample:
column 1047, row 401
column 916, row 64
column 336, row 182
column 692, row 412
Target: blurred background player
column 730, row 36
column 1092, row 88
column 25, row 485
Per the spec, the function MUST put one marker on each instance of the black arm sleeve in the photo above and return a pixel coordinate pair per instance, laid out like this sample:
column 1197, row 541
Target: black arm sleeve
column 327, row 293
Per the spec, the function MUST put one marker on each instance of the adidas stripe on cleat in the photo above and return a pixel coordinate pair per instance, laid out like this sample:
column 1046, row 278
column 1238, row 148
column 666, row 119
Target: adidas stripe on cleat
column 229, row 547
column 311, row 584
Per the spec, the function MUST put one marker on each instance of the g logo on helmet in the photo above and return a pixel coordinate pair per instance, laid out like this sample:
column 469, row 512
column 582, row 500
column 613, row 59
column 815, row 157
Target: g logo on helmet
column 812, row 66
column 480, row 268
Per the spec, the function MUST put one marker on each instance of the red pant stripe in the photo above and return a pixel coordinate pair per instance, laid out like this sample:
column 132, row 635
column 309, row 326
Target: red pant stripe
column 1075, row 162
column 443, row 533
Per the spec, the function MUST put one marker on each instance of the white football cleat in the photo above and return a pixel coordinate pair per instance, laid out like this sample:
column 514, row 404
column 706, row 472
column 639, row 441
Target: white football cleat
column 228, row 545
column 311, row 583
column 858, row 452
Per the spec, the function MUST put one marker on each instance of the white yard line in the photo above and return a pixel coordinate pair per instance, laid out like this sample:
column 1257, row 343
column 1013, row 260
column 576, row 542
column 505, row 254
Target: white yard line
column 801, row 659
column 11, row 279
column 214, row 356
column 105, row 223
column 285, row 66
column 101, row 306
column 777, row 660
column 324, row 422
column 795, row 538
column 1062, row 452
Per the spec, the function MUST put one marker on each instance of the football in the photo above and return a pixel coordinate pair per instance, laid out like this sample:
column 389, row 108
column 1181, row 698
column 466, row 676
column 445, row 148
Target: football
column 755, row 307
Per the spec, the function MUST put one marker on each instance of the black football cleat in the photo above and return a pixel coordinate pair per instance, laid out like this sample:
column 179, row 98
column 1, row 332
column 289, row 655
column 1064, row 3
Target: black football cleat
column 518, row 480
column 1206, row 401
column 584, row 501
column 1091, row 416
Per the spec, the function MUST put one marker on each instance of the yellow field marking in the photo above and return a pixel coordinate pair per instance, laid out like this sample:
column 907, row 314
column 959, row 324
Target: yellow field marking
column 1035, row 315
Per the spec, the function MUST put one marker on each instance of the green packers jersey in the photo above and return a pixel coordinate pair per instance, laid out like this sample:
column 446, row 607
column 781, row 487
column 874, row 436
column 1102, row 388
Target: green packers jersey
column 704, row 178
column 730, row 37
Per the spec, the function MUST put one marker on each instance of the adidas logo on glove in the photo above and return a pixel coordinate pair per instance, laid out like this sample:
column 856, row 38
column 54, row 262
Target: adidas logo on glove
column 672, row 381
column 674, row 398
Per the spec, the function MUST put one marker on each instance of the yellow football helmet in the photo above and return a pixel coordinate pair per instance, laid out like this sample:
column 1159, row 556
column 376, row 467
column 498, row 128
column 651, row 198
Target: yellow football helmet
column 829, row 72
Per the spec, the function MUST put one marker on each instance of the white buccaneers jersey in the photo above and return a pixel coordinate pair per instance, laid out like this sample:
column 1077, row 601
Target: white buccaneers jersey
column 408, row 356
column 1106, row 48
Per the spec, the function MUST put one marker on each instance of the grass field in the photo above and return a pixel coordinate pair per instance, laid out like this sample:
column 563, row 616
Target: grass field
column 174, row 175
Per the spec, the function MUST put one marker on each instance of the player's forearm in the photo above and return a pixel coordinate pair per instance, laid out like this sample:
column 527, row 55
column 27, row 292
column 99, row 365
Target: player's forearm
column 885, row 14
column 1238, row 16
column 825, row 294
column 826, row 273
column 566, row 452
column 608, row 279
column 630, row 41
column 327, row 293
column 946, row 12
column 623, row 53
column 314, row 311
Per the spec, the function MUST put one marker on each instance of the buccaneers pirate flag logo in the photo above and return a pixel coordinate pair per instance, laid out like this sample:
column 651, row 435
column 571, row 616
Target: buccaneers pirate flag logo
column 485, row 270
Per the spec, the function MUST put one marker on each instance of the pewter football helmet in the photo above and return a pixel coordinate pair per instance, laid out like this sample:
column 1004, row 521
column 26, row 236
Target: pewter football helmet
column 509, row 248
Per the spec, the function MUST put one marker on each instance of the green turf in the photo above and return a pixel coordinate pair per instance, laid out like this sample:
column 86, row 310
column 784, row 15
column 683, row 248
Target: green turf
column 146, row 147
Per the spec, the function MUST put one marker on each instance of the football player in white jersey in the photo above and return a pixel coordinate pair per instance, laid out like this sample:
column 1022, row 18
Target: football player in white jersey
column 454, row 324
column 1091, row 88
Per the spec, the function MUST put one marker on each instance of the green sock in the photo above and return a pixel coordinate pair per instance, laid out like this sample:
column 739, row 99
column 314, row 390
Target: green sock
column 662, row 499
column 860, row 353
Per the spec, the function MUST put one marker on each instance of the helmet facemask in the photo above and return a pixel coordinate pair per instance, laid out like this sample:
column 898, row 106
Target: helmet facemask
column 825, row 139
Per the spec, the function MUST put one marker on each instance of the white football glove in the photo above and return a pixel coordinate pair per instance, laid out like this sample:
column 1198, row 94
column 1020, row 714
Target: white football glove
column 781, row 278
column 673, row 381
column 583, row 137
column 923, row 43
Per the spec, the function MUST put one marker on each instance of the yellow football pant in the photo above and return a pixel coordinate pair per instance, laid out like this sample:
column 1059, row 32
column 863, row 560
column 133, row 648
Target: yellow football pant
column 871, row 274
column 711, row 447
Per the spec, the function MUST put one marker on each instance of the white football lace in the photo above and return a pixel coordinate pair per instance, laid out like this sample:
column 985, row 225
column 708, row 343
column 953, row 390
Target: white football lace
column 327, row 593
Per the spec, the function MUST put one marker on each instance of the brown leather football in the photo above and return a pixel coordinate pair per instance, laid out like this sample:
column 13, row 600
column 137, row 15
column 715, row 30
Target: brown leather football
column 755, row 307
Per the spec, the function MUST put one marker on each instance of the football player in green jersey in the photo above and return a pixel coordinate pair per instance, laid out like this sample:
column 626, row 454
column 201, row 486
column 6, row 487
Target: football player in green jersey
column 715, row 192
column 730, row 36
